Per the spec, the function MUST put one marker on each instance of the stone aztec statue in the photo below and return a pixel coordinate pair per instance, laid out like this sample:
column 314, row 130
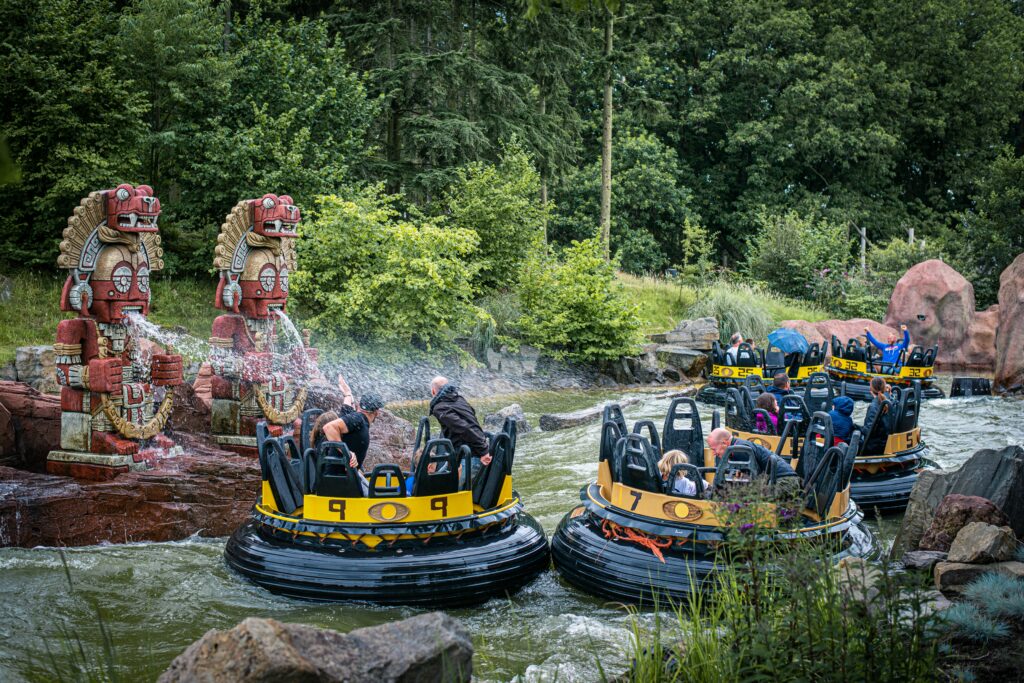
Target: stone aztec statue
column 254, row 374
column 110, row 422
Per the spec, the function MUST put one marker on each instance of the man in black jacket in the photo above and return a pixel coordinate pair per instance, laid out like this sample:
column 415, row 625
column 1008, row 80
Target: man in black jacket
column 787, row 483
column 458, row 421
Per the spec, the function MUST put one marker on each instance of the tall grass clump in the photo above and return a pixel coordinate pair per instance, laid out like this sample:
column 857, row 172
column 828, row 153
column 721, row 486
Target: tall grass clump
column 661, row 303
column 780, row 611
column 738, row 308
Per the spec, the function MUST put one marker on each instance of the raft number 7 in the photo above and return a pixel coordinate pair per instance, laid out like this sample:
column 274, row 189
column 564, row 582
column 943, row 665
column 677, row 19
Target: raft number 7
column 636, row 499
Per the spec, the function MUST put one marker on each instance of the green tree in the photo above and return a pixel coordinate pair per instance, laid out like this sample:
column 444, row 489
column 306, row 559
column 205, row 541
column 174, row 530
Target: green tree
column 501, row 204
column 790, row 251
column 73, row 120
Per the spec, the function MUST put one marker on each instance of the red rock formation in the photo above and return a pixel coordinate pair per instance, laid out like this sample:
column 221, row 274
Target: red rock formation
column 953, row 514
column 937, row 305
column 29, row 425
column 1009, row 373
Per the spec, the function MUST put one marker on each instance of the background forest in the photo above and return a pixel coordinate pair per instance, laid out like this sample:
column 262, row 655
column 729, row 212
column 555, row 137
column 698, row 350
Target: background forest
column 448, row 155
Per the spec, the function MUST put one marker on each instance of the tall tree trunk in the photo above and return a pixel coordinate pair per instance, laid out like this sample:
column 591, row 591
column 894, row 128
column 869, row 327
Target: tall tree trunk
column 544, row 174
column 606, row 140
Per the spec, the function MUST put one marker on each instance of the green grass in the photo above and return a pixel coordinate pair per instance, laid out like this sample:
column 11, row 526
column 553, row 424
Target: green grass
column 32, row 313
column 738, row 306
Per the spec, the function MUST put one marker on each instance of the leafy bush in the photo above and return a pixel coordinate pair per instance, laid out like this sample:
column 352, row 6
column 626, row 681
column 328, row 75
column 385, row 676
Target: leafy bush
column 889, row 262
column 499, row 326
column 639, row 253
column 369, row 273
column 500, row 203
column 738, row 308
column 573, row 308
column 790, row 250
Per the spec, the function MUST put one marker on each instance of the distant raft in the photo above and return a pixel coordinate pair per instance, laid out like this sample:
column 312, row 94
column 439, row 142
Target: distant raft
column 755, row 367
column 631, row 540
column 855, row 365
column 316, row 534
column 891, row 452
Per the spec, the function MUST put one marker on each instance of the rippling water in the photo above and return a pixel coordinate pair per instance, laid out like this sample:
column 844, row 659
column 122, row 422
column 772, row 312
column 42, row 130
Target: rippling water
column 157, row 598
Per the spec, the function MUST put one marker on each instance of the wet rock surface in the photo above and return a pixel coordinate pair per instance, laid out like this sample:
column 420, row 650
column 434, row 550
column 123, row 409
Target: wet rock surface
column 982, row 543
column 923, row 560
column 956, row 512
column 550, row 422
column 495, row 421
column 937, row 305
column 995, row 475
column 35, row 366
column 427, row 647
column 1009, row 365
column 698, row 334
column 29, row 426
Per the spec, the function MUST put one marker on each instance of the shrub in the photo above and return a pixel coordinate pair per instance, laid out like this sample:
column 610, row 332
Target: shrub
column 888, row 263
column 369, row 273
column 500, row 203
column 573, row 308
column 639, row 253
column 966, row 621
column 790, row 250
column 738, row 308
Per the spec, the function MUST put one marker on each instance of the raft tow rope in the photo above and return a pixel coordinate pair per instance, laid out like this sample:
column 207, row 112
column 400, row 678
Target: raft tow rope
column 613, row 531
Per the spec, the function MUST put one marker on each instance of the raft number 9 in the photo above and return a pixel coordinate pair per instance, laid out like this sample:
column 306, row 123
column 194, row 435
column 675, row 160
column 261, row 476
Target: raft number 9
column 439, row 504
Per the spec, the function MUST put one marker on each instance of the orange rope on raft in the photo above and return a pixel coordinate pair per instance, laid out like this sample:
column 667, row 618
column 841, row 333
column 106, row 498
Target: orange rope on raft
column 613, row 531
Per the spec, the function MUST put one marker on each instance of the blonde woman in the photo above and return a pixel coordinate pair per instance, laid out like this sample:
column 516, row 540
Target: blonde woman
column 681, row 484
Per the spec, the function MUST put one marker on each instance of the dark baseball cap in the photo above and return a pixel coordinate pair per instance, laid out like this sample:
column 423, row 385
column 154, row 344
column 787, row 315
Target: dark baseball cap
column 371, row 402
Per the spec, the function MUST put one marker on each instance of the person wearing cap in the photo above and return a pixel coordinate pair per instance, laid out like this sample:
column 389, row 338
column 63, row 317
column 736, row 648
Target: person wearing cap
column 353, row 425
column 458, row 421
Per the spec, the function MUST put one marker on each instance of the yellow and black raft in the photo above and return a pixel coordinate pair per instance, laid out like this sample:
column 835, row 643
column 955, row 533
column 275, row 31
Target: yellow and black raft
column 755, row 367
column 631, row 539
column 855, row 365
column 319, row 531
column 891, row 453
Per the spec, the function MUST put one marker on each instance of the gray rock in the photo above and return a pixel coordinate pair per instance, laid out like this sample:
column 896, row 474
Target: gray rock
column 953, row 577
column 495, row 421
column 923, row 560
column 428, row 647
column 521, row 364
column 9, row 372
column 859, row 581
column 35, row 367
column 982, row 543
column 697, row 334
column 688, row 361
column 551, row 422
column 997, row 475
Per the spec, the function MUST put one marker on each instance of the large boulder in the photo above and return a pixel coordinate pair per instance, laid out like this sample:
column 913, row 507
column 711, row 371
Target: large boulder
column 495, row 421
column 427, row 647
column 1009, row 372
column 698, row 334
column 688, row 361
column 35, row 367
column 982, row 543
column 996, row 475
column 955, row 513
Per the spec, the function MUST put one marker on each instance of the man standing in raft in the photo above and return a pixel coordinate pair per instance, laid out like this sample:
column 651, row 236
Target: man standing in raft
column 891, row 351
column 458, row 421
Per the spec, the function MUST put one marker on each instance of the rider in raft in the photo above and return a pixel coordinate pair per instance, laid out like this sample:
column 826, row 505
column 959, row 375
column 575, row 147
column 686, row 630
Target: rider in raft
column 891, row 351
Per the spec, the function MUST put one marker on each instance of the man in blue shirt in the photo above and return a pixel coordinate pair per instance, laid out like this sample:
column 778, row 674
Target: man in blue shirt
column 891, row 351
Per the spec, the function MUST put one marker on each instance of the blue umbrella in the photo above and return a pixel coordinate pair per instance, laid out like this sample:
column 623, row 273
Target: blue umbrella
column 787, row 340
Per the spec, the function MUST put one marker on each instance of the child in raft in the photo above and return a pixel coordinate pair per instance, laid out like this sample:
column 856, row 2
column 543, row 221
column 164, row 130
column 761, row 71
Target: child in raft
column 767, row 402
column 681, row 484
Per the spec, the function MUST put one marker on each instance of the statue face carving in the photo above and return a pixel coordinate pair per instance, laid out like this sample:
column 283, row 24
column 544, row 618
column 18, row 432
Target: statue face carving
column 264, row 284
column 120, row 284
column 275, row 216
column 132, row 209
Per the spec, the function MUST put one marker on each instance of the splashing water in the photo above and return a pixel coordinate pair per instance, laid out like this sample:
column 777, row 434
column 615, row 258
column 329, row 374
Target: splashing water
column 189, row 346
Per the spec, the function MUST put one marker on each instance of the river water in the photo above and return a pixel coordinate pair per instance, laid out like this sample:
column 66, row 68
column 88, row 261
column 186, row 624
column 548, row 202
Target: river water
column 154, row 599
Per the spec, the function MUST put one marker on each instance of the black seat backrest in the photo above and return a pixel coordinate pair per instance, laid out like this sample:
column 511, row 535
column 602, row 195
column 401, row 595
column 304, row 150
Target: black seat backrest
column 335, row 477
column 309, row 463
column 652, row 434
column 916, row 358
column 852, row 451
column 691, row 472
column 817, row 439
column 819, row 392
column 813, row 354
column 854, row 351
column 717, row 355
column 737, row 416
column 393, row 484
column 764, row 424
column 822, row 484
column 909, row 409
column 610, row 436
column 754, row 386
column 792, row 407
column 613, row 413
column 282, row 479
column 877, row 431
column 262, row 434
column 774, row 358
column 487, row 485
column 789, row 433
column 837, row 348
column 746, row 357
column 421, row 440
column 309, row 417
column 716, row 419
column 929, row 356
column 736, row 464
column 509, row 427
column 970, row 386
column 636, row 464
column 682, row 430
column 294, row 454
column 445, row 477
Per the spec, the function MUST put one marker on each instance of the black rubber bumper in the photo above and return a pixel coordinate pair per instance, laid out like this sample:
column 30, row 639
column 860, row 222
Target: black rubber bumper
column 861, row 392
column 442, row 573
column 627, row 572
column 882, row 493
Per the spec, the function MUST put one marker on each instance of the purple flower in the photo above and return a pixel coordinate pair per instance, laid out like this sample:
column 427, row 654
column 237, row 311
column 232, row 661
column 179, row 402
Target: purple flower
column 746, row 527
